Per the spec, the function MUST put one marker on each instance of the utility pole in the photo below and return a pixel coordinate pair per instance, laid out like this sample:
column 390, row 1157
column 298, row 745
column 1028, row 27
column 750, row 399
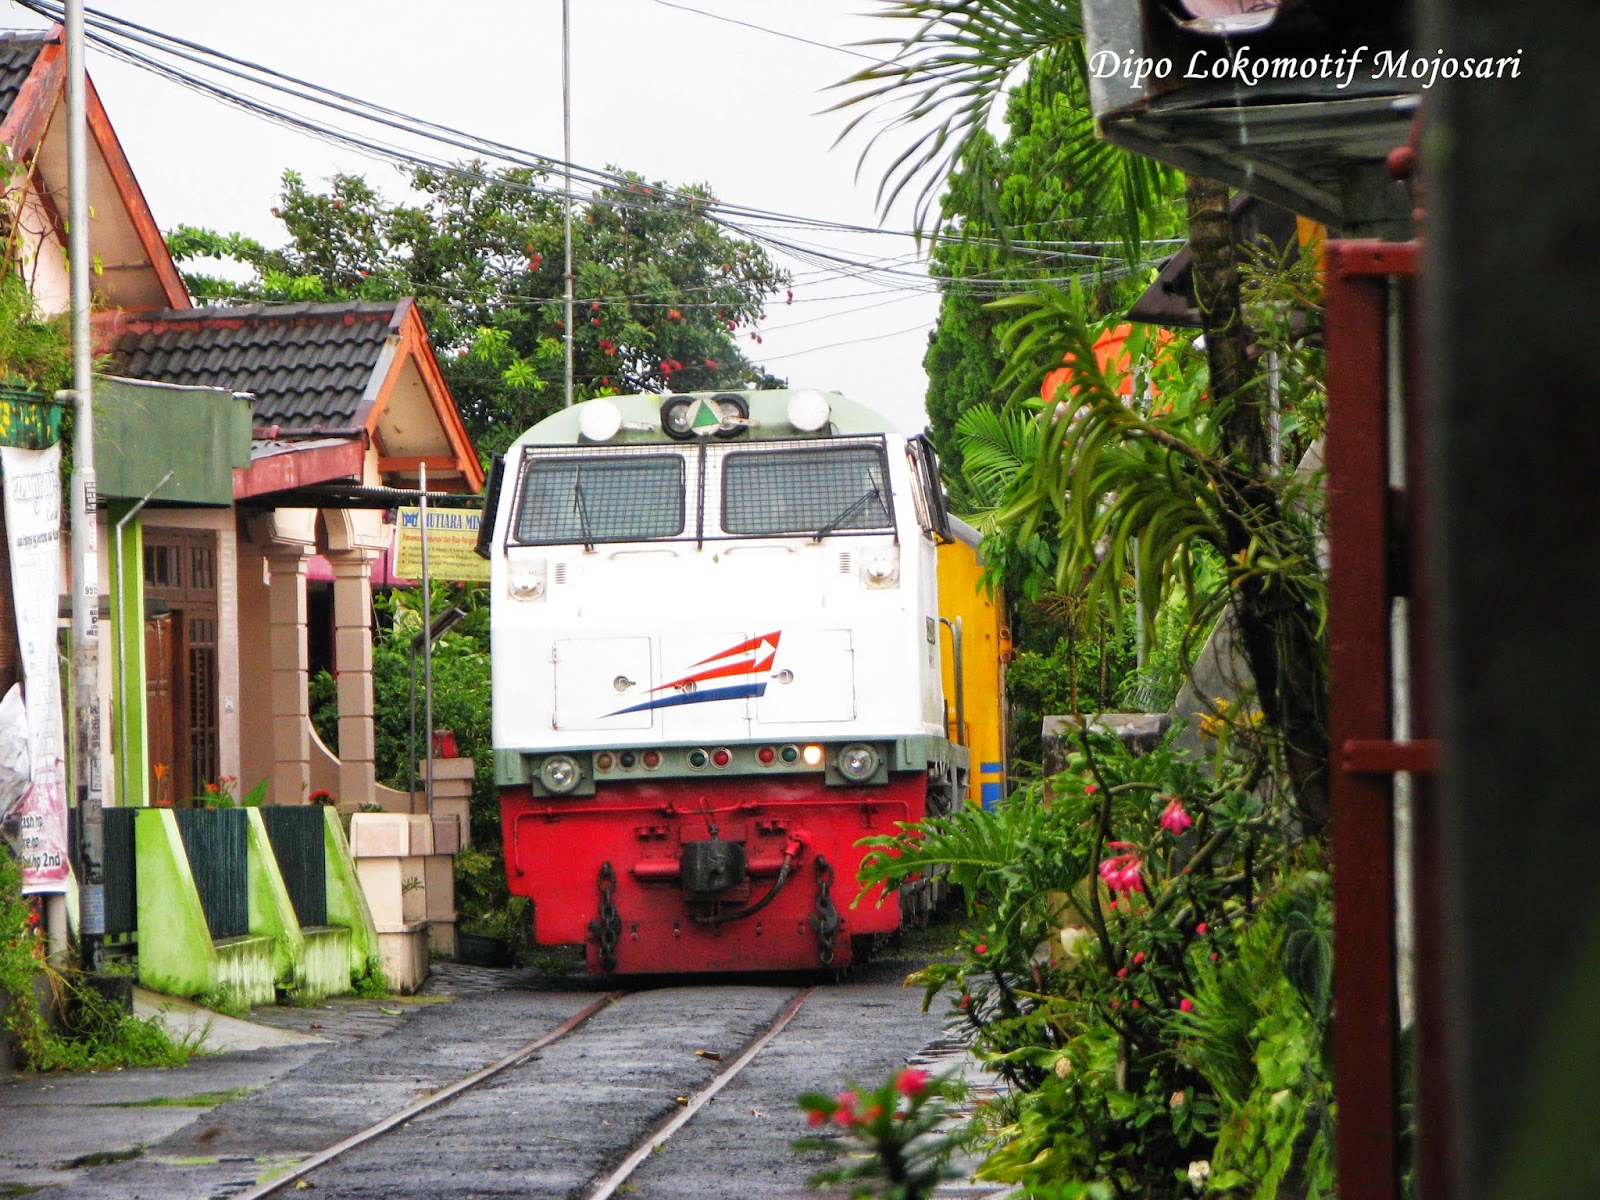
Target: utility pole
column 85, row 555
column 566, row 190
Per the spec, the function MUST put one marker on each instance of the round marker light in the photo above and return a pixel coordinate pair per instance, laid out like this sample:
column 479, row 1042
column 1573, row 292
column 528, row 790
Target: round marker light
column 790, row 754
column 603, row 761
column 812, row 756
column 765, row 755
column 652, row 759
column 721, row 758
column 881, row 569
column 808, row 410
column 858, row 762
column 626, row 758
column 599, row 420
column 559, row 774
column 697, row 759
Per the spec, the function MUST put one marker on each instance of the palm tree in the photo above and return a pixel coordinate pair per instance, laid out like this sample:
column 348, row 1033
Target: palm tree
column 940, row 87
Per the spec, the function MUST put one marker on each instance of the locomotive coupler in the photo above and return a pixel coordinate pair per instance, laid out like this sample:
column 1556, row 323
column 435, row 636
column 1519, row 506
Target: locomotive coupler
column 712, row 866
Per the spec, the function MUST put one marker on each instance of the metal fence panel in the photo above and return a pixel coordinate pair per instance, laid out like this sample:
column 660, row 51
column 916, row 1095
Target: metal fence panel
column 296, row 834
column 217, row 843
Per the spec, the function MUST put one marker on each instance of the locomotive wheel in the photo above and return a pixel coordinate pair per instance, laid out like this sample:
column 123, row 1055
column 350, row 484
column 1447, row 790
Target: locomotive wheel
column 730, row 405
column 675, row 418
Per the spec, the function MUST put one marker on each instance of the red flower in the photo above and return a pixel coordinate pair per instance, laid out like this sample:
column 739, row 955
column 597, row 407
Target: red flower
column 816, row 1117
column 1090, row 789
column 1121, row 871
column 1135, row 1004
column 981, row 948
column 674, row 315
column 911, row 1082
column 1174, row 819
column 1201, row 928
column 1138, row 958
column 594, row 320
column 711, row 363
column 869, row 1115
column 1122, row 972
column 1186, row 1005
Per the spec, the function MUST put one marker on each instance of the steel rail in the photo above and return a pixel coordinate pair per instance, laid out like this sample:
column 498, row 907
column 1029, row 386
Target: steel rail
column 515, row 1058
column 607, row 1187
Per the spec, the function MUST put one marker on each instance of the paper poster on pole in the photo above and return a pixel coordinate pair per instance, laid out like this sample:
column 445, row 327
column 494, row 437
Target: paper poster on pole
column 33, row 538
column 452, row 536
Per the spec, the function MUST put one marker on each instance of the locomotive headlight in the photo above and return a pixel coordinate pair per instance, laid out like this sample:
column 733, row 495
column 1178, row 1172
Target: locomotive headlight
column 881, row 568
column 858, row 762
column 808, row 410
column 525, row 580
column 559, row 774
column 599, row 420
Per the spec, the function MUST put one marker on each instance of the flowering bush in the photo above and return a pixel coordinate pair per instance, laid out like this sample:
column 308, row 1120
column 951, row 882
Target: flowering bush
column 1184, row 932
column 898, row 1137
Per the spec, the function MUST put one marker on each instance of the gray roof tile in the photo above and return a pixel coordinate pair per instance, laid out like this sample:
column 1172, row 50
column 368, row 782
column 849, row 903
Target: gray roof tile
column 308, row 365
column 17, row 54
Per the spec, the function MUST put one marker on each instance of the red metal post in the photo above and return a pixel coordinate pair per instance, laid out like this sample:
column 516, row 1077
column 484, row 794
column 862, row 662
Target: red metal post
column 1360, row 589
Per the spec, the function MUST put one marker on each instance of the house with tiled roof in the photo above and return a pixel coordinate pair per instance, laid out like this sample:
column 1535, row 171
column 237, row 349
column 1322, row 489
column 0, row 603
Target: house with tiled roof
column 224, row 573
column 343, row 394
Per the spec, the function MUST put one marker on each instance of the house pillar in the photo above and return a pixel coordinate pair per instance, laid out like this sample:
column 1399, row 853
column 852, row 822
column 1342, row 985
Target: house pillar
column 352, row 633
column 291, row 706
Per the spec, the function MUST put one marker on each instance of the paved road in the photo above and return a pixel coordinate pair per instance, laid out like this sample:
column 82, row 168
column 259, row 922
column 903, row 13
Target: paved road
column 544, row 1129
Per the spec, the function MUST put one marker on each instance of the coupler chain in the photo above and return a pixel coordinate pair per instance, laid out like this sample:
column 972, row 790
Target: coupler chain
column 825, row 920
column 606, row 929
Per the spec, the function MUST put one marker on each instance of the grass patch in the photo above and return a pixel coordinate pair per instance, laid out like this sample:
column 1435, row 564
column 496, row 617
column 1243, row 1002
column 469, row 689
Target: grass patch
column 19, row 1189
column 198, row 1100
column 276, row 1172
column 191, row 1162
column 101, row 1157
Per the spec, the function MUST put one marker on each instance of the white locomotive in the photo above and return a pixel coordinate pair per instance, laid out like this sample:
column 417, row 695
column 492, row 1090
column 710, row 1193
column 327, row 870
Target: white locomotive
column 716, row 652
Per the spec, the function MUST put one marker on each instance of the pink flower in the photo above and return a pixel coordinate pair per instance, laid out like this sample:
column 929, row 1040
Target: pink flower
column 1122, row 972
column 1090, row 789
column 1201, row 928
column 1174, row 819
column 911, row 1082
column 1186, row 1005
column 1138, row 958
column 1121, row 872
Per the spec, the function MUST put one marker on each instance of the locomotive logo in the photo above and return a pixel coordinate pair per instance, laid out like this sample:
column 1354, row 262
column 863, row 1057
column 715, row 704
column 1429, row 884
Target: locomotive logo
column 752, row 657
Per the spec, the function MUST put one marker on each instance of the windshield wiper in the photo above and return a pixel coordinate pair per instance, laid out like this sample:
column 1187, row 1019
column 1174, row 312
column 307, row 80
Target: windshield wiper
column 583, row 512
column 871, row 494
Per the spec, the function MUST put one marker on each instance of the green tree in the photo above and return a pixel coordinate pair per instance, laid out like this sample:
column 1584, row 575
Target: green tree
column 663, row 294
column 941, row 86
column 1011, row 215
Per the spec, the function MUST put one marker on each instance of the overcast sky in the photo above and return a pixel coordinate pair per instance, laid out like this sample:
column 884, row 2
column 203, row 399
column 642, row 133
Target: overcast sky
column 673, row 94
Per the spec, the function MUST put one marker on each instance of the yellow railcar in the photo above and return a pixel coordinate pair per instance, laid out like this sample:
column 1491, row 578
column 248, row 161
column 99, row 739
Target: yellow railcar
column 977, row 645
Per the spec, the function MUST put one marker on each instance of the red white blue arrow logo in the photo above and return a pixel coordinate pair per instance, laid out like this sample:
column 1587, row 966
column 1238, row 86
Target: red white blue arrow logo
column 752, row 657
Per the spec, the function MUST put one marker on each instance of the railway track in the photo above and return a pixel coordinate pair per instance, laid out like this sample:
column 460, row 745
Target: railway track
column 607, row 1185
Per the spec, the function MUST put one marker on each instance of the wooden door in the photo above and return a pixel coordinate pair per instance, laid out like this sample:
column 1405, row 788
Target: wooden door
column 180, row 568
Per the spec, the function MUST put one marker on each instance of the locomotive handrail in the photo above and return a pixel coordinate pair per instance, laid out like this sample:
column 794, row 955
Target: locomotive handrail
column 961, row 693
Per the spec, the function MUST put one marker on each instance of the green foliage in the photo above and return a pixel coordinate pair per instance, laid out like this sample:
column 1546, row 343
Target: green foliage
column 96, row 1034
column 35, row 352
column 663, row 292
column 370, row 983
column 897, row 1138
column 1195, row 951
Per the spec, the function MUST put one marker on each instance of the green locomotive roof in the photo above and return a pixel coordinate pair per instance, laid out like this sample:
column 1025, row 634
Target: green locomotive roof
column 770, row 408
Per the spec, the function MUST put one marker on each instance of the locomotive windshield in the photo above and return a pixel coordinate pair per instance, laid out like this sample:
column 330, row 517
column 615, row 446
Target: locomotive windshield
column 812, row 491
column 600, row 499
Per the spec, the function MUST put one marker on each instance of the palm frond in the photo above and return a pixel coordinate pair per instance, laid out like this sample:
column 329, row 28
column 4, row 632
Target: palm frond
column 946, row 77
